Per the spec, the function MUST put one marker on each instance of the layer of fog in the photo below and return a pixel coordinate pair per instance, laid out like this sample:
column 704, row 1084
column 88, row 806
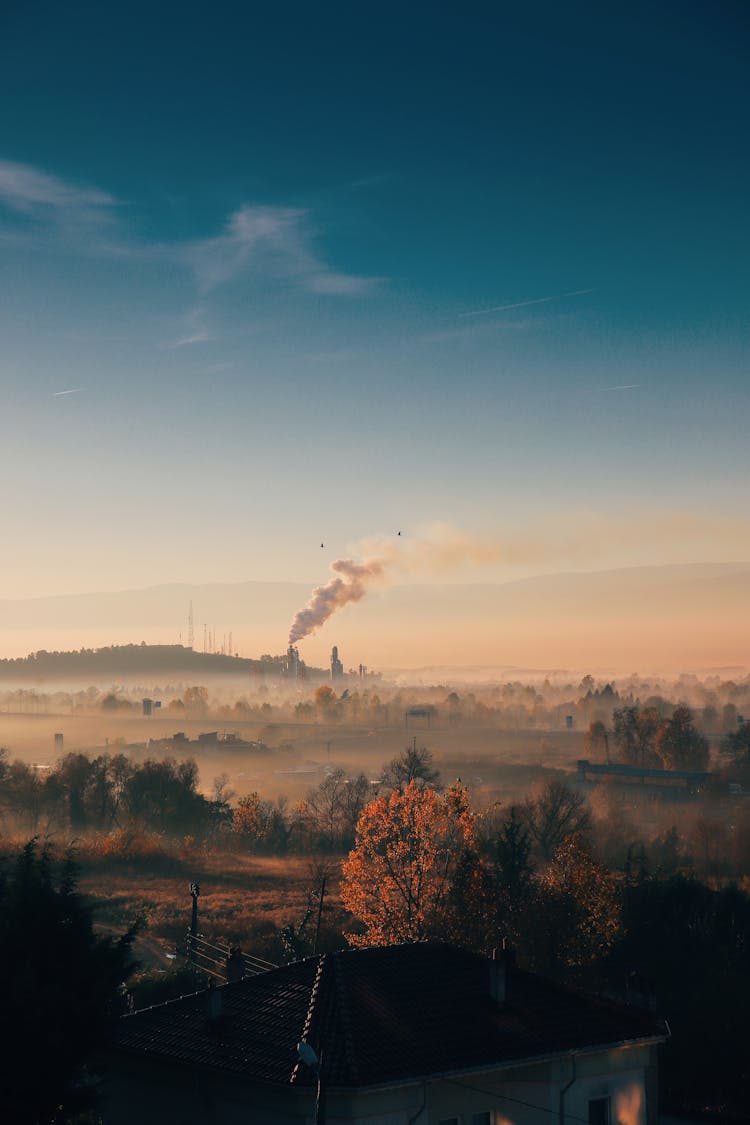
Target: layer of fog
column 497, row 734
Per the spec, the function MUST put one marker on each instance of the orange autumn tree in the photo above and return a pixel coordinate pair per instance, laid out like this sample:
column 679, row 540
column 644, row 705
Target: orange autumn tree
column 581, row 904
column 399, row 878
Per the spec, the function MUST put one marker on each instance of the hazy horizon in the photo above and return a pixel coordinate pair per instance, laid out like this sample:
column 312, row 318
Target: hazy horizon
column 373, row 307
column 652, row 619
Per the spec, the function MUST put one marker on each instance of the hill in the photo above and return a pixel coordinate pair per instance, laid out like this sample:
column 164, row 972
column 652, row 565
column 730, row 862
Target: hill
column 127, row 661
column 676, row 617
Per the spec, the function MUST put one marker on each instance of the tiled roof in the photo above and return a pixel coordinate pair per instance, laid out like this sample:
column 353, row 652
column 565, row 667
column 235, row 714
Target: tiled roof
column 379, row 1015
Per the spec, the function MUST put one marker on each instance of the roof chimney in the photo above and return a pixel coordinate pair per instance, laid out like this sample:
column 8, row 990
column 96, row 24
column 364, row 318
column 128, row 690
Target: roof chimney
column 235, row 965
column 214, row 1001
column 501, row 967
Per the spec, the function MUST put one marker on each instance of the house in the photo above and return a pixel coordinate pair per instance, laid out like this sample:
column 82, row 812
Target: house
column 415, row 1034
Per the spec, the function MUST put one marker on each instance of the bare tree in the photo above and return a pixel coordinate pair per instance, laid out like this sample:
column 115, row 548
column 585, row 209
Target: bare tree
column 331, row 810
column 555, row 814
column 412, row 764
column 596, row 739
column 635, row 732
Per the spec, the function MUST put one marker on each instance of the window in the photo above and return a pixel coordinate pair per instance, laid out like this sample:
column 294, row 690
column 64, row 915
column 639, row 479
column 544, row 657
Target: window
column 475, row 1119
column 600, row 1111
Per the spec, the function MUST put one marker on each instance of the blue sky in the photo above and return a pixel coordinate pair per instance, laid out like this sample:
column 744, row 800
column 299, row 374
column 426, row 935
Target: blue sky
column 323, row 272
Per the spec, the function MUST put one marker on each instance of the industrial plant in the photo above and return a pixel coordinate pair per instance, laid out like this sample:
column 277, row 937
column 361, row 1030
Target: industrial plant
column 296, row 669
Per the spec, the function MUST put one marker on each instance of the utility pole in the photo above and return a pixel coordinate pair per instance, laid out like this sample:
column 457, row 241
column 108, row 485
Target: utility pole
column 194, row 894
column 320, row 912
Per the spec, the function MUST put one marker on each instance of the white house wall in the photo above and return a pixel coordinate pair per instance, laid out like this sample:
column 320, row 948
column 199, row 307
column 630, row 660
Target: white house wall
column 528, row 1095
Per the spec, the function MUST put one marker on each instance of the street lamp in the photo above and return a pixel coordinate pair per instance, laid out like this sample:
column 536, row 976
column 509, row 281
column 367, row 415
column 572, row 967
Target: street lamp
column 308, row 1055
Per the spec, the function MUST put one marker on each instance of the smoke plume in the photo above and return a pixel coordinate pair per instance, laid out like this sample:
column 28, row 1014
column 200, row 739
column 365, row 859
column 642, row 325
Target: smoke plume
column 440, row 548
column 584, row 538
column 350, row 585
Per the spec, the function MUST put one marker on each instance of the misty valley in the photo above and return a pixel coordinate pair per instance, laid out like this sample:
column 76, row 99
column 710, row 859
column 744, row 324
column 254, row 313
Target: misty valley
column 570, row 816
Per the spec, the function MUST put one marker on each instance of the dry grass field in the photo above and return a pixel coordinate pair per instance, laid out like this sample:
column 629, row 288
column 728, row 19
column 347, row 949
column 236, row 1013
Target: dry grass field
column 243, row 901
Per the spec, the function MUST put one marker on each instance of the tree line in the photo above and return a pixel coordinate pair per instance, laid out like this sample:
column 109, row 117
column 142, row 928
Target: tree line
column 80, row 795
column 648, row 738
column 716, row 705
column 113, row 793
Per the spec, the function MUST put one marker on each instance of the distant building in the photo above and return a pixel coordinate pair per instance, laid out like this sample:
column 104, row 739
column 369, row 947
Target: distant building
column 337, row 668
column 427, row 712
column 645, row 782
column 206, row 740
column 295, row 665
column 421, row 1033
column 59, row 742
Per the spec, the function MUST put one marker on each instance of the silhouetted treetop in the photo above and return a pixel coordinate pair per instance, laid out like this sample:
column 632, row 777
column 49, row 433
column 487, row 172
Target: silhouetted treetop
column 60, row 985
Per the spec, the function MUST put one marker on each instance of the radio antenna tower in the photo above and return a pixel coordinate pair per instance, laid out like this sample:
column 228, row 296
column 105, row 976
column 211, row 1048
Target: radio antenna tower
column 191, row 637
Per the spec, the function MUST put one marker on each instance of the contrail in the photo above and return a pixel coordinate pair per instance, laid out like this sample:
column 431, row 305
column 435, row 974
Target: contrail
column 200, row 337
column 525, row 304
column 72, row 391
column 623, row 387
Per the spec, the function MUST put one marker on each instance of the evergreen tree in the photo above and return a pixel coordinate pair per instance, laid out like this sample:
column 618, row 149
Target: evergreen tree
column 60, row 985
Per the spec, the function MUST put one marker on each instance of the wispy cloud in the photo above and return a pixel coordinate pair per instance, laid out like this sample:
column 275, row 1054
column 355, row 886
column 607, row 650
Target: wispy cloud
column 201, row 337
column 258, row 242
column 371, row 181
column 191, row 330
column 340, row 284
column 525, row 304
column 251, row 233
column 26, row 189
column 268, row 242
column 48, row 202
column 577, row 536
